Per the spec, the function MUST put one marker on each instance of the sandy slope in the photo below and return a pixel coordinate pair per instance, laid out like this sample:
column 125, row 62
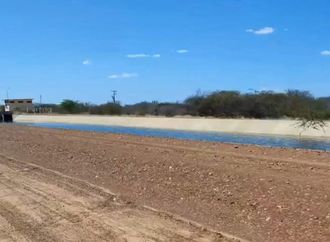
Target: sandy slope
column 249, row 126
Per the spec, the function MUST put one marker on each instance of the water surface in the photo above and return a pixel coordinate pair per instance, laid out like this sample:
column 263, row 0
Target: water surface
column 262, row 140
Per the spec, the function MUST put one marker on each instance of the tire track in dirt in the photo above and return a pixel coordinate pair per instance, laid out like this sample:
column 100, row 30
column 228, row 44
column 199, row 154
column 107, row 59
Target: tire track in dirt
column 36, row 206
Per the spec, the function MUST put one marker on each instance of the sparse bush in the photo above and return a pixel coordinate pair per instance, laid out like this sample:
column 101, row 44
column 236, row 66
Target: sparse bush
column 73, row 107
column 266, row 104
column 310, row 123
column 106, row 109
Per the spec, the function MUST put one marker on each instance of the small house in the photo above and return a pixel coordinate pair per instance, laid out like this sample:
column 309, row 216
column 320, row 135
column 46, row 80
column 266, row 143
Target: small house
column 20, row 105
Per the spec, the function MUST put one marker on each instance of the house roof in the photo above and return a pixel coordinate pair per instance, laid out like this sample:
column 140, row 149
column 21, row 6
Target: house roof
column 19, row 99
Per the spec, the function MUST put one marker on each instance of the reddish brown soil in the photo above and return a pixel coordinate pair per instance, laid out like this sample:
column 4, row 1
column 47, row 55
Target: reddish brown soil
column 38, row 204
column 259, row 194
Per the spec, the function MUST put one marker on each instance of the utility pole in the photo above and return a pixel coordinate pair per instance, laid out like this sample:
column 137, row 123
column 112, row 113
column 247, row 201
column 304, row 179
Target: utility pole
column 40, row 104
column 114, row 94
column 7, row 93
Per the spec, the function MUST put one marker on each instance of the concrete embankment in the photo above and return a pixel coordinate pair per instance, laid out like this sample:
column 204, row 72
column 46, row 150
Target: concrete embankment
column 245, row 126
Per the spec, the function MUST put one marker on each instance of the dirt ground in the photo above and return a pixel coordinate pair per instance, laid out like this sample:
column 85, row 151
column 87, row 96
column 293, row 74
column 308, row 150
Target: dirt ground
column 254, row 193
column 37, row 204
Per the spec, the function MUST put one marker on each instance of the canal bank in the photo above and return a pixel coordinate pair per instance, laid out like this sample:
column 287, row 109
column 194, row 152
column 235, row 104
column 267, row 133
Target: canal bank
column 243, row 190
column 243, row 126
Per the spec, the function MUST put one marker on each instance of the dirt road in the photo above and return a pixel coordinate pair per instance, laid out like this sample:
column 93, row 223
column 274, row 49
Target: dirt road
column 259, row 194
column 37, row 204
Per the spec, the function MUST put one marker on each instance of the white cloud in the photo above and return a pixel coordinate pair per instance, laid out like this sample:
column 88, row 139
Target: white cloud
column 87, row 62
column 262, row 31
column 325, row 52
column 123, row 75
column 182, row 51
column 136, row 56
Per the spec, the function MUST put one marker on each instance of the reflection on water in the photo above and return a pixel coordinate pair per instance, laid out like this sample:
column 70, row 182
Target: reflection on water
column 263, row 140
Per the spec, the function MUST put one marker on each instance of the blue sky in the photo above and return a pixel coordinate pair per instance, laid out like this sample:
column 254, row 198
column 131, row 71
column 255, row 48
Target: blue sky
column 161, row 49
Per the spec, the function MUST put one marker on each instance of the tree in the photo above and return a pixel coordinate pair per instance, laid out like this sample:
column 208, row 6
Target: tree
column 107, row 109
column 311, row 118
column 194, row 103
column 73, row 107
column 311, row 123
column 299, row 105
